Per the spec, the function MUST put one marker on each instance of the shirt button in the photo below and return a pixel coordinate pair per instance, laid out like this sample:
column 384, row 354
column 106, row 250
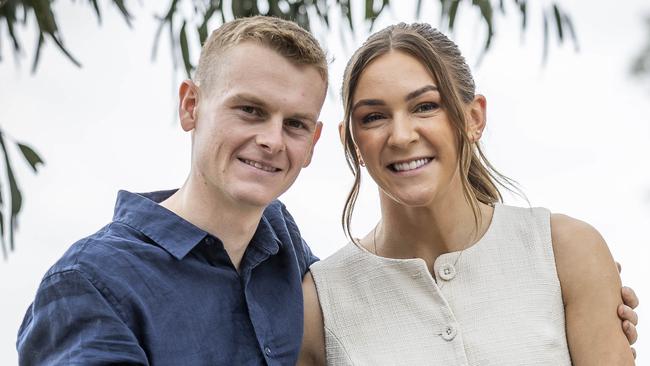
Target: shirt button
column 267, row 350
column 449, row 333
column 447, row 272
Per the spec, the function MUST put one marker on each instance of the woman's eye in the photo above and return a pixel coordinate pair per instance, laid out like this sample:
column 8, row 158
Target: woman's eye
column 371, row 118
column 426, row 107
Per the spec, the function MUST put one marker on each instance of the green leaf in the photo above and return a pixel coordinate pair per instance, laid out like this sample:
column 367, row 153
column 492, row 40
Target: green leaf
column 2, row 227
column 16, row 196
column 486, row 13
column 185, row 52
column 370, row 11
column 168, row 18
column 97, row 11
column 558, row 22
column 2, row 233
column 453, row 10
column 37, row 54
column 524, row 14
column 125, row 12
column 568, row 24
column 31, row 156
column 545, row 48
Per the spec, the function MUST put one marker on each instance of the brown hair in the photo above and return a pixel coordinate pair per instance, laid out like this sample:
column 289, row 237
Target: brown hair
column 283, row 36
column 443, row 60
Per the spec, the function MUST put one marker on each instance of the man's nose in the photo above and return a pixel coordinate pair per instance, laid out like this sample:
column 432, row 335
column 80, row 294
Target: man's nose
column 271, row 136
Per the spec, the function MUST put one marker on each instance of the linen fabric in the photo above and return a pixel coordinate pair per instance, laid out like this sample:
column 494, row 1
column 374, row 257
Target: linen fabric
column 497, row 302
column 151, row 288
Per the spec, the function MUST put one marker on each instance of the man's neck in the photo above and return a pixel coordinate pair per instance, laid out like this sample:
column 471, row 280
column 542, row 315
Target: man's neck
column 233, row 224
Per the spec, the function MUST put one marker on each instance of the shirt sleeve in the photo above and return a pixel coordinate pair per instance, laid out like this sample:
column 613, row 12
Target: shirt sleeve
column 308, row 258
column 71, row 322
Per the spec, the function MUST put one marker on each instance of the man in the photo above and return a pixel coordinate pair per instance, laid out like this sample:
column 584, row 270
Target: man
column 210, row 273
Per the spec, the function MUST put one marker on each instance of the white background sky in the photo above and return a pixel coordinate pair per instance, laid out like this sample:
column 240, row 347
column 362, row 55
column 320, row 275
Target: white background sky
column 575, row 133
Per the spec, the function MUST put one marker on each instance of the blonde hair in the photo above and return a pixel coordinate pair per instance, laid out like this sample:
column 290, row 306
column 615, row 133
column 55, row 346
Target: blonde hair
column 443, row 60
column 285, row 37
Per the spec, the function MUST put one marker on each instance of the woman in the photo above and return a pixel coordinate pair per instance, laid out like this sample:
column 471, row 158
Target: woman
column 450, row 275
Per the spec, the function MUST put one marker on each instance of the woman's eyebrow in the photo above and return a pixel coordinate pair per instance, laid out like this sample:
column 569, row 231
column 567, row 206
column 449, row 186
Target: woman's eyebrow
column 416, row 93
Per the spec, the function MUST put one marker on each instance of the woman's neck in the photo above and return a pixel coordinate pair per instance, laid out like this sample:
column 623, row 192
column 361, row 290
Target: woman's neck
column 445, row 225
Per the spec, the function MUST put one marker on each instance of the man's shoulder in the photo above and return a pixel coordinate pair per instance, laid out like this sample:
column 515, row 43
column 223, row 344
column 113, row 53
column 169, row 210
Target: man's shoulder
column 93, row 254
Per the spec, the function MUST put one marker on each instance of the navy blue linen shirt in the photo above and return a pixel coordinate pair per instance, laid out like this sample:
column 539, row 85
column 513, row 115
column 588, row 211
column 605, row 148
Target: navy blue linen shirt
column 151, row 288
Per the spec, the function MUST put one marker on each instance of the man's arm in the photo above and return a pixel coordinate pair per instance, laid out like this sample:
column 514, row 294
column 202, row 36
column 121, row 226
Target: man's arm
column 312, row 352
column 72, row 322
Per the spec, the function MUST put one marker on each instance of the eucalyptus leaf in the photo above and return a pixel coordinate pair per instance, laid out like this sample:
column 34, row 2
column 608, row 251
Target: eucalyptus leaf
column 16, row 196
column 185, row 51
column 31, row 156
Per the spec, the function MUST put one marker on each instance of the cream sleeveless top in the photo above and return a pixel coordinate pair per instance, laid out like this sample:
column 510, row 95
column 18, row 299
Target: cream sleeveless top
column 497, row 303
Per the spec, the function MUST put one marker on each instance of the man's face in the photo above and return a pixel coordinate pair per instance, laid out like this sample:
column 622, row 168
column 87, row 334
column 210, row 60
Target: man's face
column 256, row 128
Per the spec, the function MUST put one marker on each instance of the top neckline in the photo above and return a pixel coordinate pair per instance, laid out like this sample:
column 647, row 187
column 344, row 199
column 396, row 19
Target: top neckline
column 488, row 233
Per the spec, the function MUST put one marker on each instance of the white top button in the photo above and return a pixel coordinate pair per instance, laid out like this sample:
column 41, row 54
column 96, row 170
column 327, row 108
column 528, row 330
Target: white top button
column 447, row 271
column 448, row 333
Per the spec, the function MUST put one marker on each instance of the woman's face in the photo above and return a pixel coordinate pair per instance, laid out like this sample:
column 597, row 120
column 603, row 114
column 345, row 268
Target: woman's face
column 403, row 134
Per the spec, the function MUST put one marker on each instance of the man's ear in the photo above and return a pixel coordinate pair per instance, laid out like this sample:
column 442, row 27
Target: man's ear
column 317, row 131
column 477, row 118
column 188, row 95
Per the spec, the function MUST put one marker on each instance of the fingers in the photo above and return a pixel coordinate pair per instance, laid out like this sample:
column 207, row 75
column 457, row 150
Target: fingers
column 629, row 297
column 626, row 313
column 630, row 331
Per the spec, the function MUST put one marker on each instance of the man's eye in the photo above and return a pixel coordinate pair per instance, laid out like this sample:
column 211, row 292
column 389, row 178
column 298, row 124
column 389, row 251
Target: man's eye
column 426, row 107
column 294, row 123
column 371, row 118
column 250, row 110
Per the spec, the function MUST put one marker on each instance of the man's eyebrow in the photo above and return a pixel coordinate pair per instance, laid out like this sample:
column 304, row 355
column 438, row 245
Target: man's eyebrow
column 416, row 93
column 248, row 98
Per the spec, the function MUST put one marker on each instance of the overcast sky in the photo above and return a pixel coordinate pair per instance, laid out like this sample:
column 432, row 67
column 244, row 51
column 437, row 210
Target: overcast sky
column 574, row 133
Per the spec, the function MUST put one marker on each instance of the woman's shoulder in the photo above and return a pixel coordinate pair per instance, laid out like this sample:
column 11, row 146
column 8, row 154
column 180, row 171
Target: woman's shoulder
column 339, row 259
column 574, row 238
column 581, row 255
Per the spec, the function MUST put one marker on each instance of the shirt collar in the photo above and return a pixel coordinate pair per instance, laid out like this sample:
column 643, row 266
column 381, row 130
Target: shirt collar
column 265, row 237
column 176, row 235
column 142, row 212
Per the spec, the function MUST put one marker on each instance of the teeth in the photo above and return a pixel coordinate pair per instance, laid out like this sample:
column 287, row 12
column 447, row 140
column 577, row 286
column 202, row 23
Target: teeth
column 258, row 165
column 414, row 164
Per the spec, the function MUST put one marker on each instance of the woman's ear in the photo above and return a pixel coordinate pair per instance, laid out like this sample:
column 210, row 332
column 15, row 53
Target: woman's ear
column 477, row 118
column 188, row 95
column 342, row 135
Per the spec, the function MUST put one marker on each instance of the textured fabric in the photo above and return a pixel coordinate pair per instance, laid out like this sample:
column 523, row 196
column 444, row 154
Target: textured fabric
column 496, row 303
column 151, row 288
